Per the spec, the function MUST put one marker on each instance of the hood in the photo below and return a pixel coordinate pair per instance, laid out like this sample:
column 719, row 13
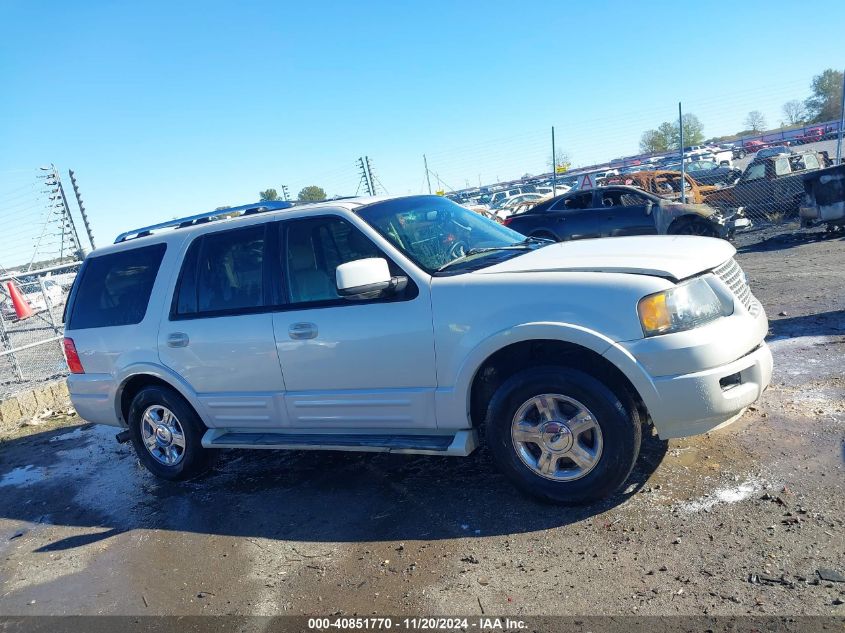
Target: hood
column 674, row 257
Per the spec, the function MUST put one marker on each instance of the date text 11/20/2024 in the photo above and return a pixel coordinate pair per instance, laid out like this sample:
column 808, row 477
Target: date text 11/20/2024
column 417, row 624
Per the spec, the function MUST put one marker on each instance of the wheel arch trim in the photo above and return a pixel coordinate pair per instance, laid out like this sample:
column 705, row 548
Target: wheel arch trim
column 453, row 405
column 163, row 374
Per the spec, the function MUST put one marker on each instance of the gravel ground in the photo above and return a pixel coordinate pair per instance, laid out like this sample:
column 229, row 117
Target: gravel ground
column 746, row 520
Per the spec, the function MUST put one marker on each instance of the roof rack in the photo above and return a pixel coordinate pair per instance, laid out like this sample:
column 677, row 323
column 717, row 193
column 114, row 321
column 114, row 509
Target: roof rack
column 202, row 218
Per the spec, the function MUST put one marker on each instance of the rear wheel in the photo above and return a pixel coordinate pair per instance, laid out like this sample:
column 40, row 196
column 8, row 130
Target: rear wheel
column 562, row 435
column 167, row 434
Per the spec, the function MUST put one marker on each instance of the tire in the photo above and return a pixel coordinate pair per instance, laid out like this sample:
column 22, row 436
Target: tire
column 693, row 227
column 189, row 458
column 613, row 450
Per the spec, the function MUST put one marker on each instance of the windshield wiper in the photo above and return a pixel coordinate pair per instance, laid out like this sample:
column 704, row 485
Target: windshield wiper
column 525, row 244
column 516, row 246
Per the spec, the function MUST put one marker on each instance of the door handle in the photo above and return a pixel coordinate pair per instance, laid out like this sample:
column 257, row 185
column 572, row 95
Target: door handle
column 177, row 339
column 302, row 331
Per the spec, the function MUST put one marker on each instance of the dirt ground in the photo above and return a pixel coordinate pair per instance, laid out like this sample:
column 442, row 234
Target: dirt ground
column 746, row 520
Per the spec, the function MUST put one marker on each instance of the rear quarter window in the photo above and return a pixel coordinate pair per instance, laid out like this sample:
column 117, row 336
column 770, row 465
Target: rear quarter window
column 115, row 289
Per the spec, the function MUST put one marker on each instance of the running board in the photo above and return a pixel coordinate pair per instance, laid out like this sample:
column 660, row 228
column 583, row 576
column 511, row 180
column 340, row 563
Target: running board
column 461, row 443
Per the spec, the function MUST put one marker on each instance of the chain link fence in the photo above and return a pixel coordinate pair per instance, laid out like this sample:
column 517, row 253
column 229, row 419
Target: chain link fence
column 31, row 345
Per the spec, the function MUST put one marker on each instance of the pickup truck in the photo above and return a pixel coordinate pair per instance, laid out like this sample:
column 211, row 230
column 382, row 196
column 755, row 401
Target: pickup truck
column 769, row 185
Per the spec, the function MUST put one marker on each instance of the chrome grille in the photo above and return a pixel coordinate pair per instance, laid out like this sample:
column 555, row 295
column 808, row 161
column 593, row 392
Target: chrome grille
column 734, row 278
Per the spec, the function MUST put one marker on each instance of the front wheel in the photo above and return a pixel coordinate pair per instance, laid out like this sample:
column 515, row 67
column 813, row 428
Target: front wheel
column 167, row 434
column 700, row 228
column 562, row 435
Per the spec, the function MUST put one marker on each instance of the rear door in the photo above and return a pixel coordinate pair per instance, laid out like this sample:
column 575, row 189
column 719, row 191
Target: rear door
column 624, row 212
column 218, row 335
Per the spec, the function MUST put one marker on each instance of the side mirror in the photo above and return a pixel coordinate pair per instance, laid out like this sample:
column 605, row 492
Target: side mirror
column 367, row 279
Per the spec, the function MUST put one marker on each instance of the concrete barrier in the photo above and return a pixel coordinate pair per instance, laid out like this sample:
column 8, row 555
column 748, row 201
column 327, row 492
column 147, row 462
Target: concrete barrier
column 26, row 404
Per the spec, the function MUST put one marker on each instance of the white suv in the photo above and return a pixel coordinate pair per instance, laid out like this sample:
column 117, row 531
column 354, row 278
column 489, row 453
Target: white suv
column 411, row 325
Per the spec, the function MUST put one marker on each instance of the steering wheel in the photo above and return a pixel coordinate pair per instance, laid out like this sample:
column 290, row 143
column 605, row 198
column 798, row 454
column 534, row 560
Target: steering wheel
column 458, row 249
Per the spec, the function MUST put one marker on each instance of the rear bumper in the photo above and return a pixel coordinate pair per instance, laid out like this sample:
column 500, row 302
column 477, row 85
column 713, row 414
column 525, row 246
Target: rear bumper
column 92, row 396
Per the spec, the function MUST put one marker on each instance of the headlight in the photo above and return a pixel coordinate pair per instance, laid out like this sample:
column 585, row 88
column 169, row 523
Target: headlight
column 686, row 306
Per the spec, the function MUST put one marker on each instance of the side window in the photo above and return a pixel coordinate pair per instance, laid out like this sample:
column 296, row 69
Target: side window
column 782, row 166
column 578, row 201
column 804, row 161
column 628, row 199
column 314, row 249
column 222, row 273
column 755, row 171
column 115, row 289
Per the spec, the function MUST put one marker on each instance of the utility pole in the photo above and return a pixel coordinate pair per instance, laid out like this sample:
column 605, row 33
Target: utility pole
column 841, row 125
column 68, row 226
column 370, row 175
column 81, row 208
column 365, row 179
column 68, row 219
column 683, row 167
column 285, row 194
column 554, row 165
column 427, row 177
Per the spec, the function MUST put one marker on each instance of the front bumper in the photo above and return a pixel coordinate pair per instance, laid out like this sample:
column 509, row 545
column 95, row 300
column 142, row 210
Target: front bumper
column 697, row 403
column 693, row 381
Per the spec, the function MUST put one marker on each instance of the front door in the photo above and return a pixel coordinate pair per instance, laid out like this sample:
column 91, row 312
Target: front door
column 218, row 335
column 573, row 217
column 350, row 364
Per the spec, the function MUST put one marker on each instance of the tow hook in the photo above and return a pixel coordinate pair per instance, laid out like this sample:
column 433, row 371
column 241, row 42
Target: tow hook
column 122, row 437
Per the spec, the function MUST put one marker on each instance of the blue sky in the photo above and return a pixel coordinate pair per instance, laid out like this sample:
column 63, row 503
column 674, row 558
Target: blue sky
column 171, row 108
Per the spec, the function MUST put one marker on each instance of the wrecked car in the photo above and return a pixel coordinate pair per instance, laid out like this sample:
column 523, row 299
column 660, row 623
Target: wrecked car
column 823, row 201
column 771, row 185
column 613, row 211
column 664, row 183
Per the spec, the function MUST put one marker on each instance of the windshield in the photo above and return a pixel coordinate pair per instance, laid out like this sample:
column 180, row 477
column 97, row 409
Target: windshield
column 433, row 232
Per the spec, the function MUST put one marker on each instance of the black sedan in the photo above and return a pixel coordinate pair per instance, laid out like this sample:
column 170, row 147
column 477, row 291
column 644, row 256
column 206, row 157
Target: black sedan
column 621, row 210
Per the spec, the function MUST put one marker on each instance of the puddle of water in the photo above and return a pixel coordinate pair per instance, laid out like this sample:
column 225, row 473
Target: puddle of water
column 22, row 476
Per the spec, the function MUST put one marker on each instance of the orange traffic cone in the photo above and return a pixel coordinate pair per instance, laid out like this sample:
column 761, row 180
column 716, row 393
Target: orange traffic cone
column 22, row 308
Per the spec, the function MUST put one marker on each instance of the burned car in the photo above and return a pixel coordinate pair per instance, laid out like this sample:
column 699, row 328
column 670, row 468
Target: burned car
column 664, row 183
column 617, row 210
column 824, row 198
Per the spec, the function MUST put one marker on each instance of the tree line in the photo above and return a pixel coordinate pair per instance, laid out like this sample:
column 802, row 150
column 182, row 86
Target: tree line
column 312, row 193
column 823, row 104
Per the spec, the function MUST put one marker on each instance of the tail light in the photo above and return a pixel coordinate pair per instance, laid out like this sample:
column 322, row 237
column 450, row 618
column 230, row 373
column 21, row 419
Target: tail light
column 507, row 221
column 73, row 362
